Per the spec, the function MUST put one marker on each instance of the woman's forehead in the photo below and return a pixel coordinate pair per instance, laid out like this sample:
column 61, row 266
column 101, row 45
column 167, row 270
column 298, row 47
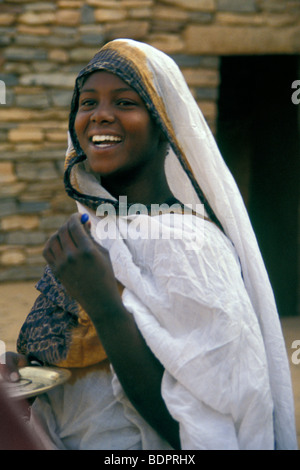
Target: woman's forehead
column 102, row 77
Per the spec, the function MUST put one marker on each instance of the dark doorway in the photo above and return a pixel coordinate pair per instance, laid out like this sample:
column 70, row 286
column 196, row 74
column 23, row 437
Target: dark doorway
column 258, row 135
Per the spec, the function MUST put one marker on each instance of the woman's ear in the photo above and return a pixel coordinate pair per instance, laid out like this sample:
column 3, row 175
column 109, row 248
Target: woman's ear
column 164, row 143
column 165, row 146
column 163, row 137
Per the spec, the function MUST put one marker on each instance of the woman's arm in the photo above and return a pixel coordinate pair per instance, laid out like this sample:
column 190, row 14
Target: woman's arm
column 86, row 272
column 138, row 370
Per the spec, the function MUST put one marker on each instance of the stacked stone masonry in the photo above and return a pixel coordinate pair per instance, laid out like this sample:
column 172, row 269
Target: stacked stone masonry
column 43, row 45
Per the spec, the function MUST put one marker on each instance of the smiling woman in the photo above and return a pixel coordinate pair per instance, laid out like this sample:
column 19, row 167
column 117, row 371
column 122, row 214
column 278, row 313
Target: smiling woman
column 120, row 139
column 174, row 342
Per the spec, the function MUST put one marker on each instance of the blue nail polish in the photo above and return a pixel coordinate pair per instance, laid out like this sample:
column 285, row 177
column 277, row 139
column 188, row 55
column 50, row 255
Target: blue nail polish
column 84, row 218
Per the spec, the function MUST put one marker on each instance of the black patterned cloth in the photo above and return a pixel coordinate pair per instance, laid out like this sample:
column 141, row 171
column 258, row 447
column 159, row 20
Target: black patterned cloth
column 47, row 331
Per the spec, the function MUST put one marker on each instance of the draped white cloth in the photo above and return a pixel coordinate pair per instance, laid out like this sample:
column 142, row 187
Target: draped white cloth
column 189, row 301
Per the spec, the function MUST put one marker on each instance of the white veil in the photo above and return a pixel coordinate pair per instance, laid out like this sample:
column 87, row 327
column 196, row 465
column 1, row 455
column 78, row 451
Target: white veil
column 220, row 189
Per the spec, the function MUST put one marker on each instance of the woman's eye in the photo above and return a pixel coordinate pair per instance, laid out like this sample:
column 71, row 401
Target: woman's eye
column 124, row 103
column 87, row 103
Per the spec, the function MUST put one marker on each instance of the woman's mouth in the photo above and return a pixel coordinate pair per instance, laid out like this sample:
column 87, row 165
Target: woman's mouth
column 105, row 141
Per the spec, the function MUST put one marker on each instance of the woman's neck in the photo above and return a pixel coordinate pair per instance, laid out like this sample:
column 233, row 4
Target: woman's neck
column 143, row 191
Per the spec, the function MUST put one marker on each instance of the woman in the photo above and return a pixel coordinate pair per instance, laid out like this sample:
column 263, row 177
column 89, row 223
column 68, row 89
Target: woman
column 178, row 304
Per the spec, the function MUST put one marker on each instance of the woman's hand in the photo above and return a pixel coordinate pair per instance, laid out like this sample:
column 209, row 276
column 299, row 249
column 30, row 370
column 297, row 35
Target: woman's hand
column 10, row 369
column 83, row 267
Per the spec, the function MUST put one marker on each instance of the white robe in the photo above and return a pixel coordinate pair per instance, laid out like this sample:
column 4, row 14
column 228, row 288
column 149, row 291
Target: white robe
column 189, row 301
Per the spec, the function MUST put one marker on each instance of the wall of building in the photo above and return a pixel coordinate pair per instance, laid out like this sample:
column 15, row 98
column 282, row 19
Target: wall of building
column 43, row 45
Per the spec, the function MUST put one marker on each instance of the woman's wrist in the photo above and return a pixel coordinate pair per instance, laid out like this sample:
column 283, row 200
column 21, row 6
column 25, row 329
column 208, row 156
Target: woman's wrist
column 105, row 312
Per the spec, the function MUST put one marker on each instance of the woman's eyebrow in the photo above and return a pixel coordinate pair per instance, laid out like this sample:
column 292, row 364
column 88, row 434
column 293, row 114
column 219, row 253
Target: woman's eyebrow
column 90, row 90
column 116, row 90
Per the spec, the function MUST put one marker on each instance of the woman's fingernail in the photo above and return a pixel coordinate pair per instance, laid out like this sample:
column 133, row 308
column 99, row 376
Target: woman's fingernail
column 84, row 218
column 14, row 377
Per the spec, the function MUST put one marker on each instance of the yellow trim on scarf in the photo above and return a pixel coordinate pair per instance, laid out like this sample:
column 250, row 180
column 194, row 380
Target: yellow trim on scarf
column 86, row 348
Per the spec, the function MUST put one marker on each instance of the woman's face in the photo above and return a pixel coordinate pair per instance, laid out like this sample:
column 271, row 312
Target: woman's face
column 114, row 128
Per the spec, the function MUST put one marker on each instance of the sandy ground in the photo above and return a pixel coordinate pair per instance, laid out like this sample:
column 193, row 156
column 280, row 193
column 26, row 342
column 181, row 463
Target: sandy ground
column 17, row 298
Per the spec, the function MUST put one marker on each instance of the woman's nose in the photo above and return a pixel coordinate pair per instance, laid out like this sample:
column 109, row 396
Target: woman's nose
column 102, row 113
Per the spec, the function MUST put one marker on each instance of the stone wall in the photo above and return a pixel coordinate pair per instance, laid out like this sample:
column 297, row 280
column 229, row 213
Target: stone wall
column 42, row 47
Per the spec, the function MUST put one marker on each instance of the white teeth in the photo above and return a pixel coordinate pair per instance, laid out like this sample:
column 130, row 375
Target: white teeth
column 98, row 139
